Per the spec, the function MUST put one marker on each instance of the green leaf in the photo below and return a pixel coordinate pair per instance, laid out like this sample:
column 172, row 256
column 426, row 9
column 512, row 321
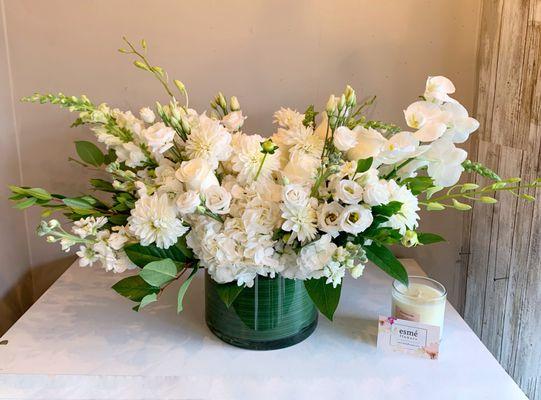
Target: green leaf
column 385, row 259
column 25, row 203
column 134, row 288
column 89, row 153
column 158, row 273
column 142, row 255
column 388, row 209
column 77, row 203
column 184, row 288
column 364, row 165
column 39, row 193
column 309, row 116
column 418, row 184
column 429, row 238
column 145, row 301
column 324, row 296
column 228, row 292
column 118, row 219
column 104, row 186
column 383, row 235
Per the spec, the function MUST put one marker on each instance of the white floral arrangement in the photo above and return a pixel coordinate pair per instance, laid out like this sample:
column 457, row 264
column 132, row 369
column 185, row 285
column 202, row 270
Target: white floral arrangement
column 327, row 192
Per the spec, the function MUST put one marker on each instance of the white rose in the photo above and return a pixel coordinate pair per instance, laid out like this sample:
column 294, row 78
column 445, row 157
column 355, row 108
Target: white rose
column 350, row 192
column 196, row 174
column 295, row 195
column 344, row 138
column 328, row 217
column 147, row 115
column 233, row 121
column 377, row 193
column 188, row 201
column 159, row 137
column 355, row 219
column 217, row 199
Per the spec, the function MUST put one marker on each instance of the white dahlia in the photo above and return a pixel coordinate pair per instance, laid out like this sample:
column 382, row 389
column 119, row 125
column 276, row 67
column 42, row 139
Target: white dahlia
column 153, row 220
column 247, row 158
column 208, row 140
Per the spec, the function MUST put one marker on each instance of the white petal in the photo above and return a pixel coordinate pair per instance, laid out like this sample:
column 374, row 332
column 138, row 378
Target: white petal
column 430, row 132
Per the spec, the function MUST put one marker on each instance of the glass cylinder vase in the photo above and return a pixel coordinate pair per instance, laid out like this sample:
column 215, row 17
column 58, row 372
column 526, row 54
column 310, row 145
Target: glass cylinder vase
column 272, row 314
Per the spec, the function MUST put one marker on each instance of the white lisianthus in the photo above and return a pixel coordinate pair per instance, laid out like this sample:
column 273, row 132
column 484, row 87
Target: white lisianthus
column 158, row 137
column 407, row 217
column 438, row 89
column 295, row 195
column 131, row 154
column 376, row 193
column 355, row 219
column 217, row 199
column 444, row 162
column 344, row 138
column 188, row 201
column 369, row 144
column 349, row 192
column 328, row 217
column 147, row 115
column 208, row 140
column 196, row 174
column 233, row 121
column 153, row 220
column 288, row 118
column 315, row 256
column 369, row 177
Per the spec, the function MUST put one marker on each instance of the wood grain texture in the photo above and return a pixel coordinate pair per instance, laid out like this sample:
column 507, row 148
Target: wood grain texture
column 501, row 275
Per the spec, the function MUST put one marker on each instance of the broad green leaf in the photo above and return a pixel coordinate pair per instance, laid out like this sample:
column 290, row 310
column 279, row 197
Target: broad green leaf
column 429, row 238
column 418, row 184
column 228, row 292
column 158, row 273
column 118, row 219
column 25, row 203
column 385, row 259
column 364, row 164
column 324, row 296
column 145, row 301
column 39, row 193
column 102, row 185
column 388, row 209
column 184, row 288
column 89, row 153
column 134, row 288
column 384, row 235
column 142, row 255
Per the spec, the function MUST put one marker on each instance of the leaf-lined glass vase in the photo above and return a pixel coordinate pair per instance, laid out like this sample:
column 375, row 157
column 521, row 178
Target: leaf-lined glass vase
column 272, row 314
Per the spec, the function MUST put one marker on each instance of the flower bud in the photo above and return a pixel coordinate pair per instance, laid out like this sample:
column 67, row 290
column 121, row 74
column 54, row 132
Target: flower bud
column 185, row 125
column 221, row 101
column 331, row 105
column 180, row 86
column 410, row 239
column 268, row 147
column 433, row 206
column 50, row 239
column 341, row 103
column 461, row 206
column 488, row 200
column 141, row 65
column 234, row 104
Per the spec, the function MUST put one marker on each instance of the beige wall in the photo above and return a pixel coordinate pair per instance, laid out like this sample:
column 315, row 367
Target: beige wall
column 268, row 53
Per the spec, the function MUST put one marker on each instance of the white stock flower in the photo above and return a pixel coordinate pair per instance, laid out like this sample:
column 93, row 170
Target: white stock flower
column 153, row 220
column 357, row 271
column 355, row 219
column 147, row 115
column 128, row 121
column 106, row 138
column 158, row 137
column 233, row 121
column 334, row 271
column 407, row 217
column 188, row 201
column 196, row 174
column 344, row 138
column 87, row 256
column 118, row 239
column 444, row 162
column 288, row 118
column 315, row 256
column 438, row 89
column 376, row 193
column 217, row 199
column 208, row 140
column 131, row 154
column 328, row 217
column 349, row 192
column 88, row 226
column 369, row 144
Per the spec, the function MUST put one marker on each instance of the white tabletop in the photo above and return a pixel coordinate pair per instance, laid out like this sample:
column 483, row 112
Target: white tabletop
column 82, row 341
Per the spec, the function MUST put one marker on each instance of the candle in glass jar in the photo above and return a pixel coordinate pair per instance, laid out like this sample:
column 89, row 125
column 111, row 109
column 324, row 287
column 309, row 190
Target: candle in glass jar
column 423, row 300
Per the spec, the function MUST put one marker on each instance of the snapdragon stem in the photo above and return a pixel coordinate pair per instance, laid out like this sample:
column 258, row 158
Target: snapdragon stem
column 483, row 191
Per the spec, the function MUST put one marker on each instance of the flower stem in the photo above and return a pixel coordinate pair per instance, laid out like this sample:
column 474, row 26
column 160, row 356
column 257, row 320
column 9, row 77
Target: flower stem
column 393, row 173
column 260, row 166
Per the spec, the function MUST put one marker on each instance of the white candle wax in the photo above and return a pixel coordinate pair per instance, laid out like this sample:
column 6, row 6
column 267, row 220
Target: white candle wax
column 422, row 301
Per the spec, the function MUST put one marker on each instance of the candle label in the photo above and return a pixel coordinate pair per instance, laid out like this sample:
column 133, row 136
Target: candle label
column 409, row 337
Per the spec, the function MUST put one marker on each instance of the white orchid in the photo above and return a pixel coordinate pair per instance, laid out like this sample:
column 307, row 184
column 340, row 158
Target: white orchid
column 438, row 89
column 444, row 162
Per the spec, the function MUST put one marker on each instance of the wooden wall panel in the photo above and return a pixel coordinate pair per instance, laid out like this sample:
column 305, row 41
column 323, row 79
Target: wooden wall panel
column 502, row 245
